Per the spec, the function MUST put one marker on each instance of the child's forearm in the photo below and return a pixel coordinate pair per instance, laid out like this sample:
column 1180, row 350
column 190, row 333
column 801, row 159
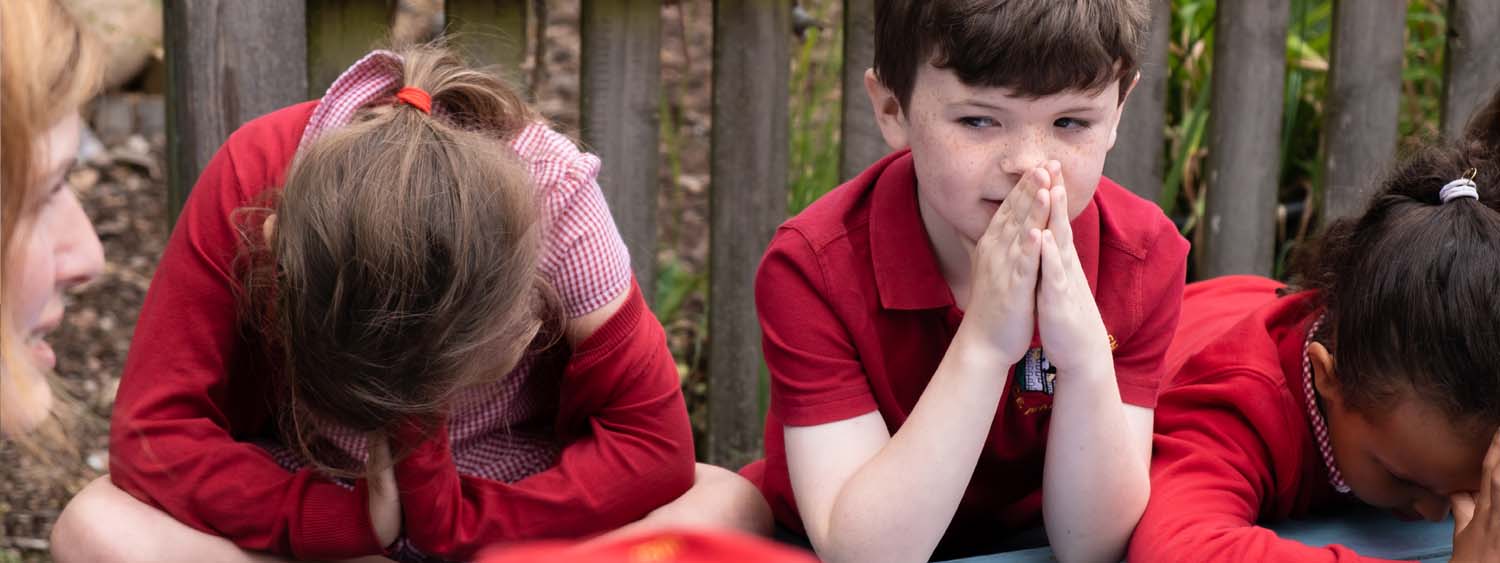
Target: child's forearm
column 1096, row 478
column 899, row 504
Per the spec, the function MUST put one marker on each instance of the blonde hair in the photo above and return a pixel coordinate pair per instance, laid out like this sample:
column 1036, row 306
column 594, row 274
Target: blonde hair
column 50, row 67
column 403, row 265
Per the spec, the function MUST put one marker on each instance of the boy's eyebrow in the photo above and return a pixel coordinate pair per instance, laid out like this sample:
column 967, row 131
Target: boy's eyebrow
column 984, row 104
column 1079, row 109
column 981, row 103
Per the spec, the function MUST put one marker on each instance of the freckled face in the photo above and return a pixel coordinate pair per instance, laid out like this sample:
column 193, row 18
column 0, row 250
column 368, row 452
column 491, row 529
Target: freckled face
column 971, row 145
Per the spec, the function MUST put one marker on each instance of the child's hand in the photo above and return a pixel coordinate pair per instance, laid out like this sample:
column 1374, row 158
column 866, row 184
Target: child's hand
column 1073, row 333
column 1476, row 517
column 1002, row 300
column 385, row 498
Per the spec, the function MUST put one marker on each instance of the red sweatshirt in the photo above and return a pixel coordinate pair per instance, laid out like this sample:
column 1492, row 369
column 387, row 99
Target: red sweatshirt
column 197, row 388
column 1233, row 442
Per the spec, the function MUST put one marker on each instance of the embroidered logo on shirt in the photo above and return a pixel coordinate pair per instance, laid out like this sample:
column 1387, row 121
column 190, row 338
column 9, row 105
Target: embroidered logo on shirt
column 1034, row 378
column 1034, row 373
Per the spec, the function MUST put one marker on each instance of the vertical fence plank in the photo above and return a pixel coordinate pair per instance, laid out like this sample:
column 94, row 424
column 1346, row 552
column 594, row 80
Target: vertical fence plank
column 227, row 62
column 1364, row 92
column 748, row 200
column 1472, row 61
column 621, row 87
column 862, row 144
column 1136, row 160
column 339, row 32
column 1238, row 234
column 491, row 32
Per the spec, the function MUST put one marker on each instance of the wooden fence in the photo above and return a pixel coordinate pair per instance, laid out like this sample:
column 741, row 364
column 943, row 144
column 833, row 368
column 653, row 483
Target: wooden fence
column 231, row 60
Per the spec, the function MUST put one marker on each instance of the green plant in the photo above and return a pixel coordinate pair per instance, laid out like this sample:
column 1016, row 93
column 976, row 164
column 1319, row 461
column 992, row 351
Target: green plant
column 813, row 159
column 1309, row 36
column 1189, row 59
column 1422, row 74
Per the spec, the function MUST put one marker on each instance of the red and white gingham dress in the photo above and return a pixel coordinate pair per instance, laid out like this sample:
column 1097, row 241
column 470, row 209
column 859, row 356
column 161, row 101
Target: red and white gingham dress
column 503, row 430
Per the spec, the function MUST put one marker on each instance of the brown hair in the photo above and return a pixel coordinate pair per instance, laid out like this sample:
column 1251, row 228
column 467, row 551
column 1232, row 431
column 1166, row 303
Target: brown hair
column 1033, row 47
column 404, row 258
column 50, row 67
column 1412, row 287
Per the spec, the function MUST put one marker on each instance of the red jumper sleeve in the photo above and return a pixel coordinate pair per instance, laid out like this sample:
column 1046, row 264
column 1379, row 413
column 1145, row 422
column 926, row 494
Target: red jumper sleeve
column 173, row 437
column 629, row 450
column 1228, row 448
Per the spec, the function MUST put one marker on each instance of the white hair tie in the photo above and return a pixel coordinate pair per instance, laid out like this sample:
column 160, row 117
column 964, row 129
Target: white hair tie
column 1462, row 187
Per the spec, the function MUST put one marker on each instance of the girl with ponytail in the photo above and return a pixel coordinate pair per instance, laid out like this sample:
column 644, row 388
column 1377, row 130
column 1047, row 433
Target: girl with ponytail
column 396, row 321
column 1375, row 378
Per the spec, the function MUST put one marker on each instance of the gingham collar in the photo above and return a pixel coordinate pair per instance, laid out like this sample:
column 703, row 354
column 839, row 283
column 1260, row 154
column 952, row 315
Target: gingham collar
column 1315, row 414
column 374, row 76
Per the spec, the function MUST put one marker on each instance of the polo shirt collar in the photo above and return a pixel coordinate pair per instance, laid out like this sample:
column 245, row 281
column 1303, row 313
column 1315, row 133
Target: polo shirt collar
column 907, row 274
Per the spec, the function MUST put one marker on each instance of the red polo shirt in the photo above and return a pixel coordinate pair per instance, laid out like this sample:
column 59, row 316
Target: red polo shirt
column 856, row 316
column 1234, row 446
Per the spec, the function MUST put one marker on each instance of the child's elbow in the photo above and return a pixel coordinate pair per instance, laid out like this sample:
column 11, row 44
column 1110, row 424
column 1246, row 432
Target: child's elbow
column 1105, row 543
column 1091, row 550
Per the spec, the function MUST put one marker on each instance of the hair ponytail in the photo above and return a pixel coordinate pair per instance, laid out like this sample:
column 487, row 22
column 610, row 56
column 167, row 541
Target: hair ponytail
column 1409, row 288
column 405, row 259
column 463, row 97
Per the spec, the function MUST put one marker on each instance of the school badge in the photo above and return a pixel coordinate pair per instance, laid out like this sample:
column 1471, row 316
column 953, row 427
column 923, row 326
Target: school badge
column 1034, row 373
column 1034, row 378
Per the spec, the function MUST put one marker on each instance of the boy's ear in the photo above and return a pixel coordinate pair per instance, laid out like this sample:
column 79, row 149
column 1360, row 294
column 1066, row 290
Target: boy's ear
column 888, row 114
column 1114, row 132
column 1129, row 89
column 1324, row 379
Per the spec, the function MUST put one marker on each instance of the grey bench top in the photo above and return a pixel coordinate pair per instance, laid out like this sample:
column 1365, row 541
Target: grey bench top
column 1367, row 531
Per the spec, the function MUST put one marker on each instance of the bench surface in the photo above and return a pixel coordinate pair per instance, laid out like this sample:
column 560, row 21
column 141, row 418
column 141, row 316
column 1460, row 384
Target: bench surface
column 1368, row 532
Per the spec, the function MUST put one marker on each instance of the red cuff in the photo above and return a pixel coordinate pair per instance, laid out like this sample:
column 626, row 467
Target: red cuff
column 325, row 530
column 428, row 482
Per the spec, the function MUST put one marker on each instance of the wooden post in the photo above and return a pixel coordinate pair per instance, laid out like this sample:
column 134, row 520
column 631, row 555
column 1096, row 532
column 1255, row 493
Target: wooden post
column 620, row 95
column 1237, row 235
column 748, row 200
column 862, row 144
column 339, row 32
column 228, row 62
column 1136, row 160
column 1364, row 91
column 1472, row 62
column 491, row 32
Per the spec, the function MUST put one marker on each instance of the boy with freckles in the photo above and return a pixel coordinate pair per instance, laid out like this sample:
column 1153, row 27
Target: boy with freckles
column 966, row 339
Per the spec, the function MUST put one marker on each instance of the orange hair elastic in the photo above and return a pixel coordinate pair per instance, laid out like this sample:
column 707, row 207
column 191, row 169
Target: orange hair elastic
column 415, row 97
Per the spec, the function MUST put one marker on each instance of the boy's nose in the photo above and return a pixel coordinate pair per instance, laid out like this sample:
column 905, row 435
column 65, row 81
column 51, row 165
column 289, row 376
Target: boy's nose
column 1023, row 156
column 79, row 255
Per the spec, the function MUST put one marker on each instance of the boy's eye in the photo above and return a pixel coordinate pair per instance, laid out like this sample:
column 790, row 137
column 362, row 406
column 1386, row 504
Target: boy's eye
column 976, row 122
column 1070, row 123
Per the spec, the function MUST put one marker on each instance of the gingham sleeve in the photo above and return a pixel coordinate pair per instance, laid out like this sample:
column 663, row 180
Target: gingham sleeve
column 584, row 256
